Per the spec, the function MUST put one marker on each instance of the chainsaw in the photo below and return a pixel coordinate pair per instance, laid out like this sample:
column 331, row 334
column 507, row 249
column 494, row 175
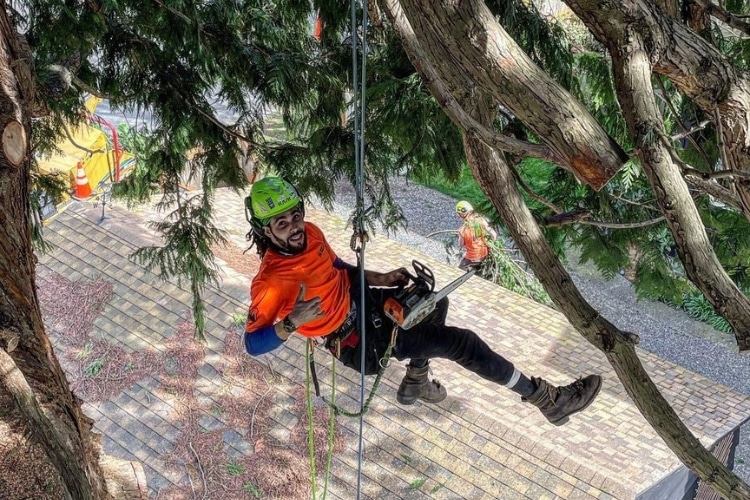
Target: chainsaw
column 414, row 302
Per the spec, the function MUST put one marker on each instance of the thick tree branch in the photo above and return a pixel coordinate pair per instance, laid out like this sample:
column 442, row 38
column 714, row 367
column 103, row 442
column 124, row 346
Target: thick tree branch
column 497, row 181
column 40, row 427
column 459, row 116
column 633, row 52
column 702, row 180
column 481, row 48
column 724, row 15
column 484, row 134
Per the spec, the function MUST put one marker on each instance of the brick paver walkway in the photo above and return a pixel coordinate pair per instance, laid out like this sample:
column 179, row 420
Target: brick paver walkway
column 480, row 443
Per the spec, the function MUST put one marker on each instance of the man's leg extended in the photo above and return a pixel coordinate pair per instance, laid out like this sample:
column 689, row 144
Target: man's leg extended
column 427, row 340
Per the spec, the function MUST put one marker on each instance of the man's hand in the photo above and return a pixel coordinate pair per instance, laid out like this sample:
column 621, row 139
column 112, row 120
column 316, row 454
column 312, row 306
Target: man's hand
column 305, row 311
column 397, row 277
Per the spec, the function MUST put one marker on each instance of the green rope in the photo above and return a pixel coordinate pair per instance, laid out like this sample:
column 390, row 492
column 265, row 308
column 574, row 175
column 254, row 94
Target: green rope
column 310, row 427
column 383, row 365
column 334, row 410
column 310, row 354
column 331, row 429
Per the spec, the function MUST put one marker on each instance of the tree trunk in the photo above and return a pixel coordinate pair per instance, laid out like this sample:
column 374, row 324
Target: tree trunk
column 71, row 446
column 631, row 49
column 469, row 33
column 40, row 427
column 496, row 180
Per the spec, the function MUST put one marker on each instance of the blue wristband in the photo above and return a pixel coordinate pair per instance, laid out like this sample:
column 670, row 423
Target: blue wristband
column 262, row 340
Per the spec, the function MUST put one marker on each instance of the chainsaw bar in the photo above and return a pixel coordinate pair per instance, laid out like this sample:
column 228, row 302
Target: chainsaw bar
column 453, row 285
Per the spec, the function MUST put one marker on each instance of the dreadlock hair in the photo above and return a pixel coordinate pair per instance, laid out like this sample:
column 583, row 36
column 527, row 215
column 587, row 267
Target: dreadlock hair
column 258, row 240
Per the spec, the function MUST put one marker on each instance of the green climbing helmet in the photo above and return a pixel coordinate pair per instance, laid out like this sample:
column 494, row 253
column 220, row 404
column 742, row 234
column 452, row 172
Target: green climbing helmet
column 270, row 197
column 464, row 207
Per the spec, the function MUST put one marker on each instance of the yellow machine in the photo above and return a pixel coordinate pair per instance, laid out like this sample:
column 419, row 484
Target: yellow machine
column 104, row 162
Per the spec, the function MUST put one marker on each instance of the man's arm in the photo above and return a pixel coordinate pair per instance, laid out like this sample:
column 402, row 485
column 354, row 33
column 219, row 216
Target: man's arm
column 397, row 277
column 488, row 229
column 267, row 338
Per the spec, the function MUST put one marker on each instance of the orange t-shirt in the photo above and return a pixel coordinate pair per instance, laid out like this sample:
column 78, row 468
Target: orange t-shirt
column 274, row 289
column 473, row 234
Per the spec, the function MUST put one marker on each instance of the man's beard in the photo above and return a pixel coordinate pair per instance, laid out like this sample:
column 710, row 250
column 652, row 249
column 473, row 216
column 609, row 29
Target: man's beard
column 289, row 248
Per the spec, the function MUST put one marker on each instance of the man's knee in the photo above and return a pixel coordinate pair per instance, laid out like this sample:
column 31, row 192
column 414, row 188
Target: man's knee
column 438, row 316
column 442, row 304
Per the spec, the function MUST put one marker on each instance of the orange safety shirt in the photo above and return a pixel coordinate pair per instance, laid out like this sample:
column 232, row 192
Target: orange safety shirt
column 275, row 288
column 473, row 233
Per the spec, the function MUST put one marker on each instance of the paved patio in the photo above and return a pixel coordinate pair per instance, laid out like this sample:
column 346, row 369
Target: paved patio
column 480, row 443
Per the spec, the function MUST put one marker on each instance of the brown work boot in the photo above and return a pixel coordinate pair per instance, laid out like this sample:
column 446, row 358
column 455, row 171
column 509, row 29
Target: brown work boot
column 558, row 403
column 417, row 385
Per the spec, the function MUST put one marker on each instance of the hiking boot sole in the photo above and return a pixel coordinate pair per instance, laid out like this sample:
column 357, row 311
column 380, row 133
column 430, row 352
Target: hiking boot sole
column 406, row 402
column 410, row 401
column 565, row 419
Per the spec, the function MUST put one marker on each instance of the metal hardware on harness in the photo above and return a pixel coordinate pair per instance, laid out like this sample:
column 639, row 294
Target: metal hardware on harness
column 359, row 233
column 414, row 302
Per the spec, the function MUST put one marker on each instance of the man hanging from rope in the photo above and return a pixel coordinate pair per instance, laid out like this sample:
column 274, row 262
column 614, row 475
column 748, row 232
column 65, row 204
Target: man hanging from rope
column 473, row 234
column 303, row 287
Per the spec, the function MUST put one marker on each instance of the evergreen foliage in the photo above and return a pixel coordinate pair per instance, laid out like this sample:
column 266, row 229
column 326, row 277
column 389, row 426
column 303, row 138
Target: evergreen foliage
column 500, row 267
column 188, row 233
column 171, row 63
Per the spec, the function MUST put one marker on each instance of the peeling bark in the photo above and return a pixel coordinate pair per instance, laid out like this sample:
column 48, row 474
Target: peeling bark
column 693, row 64
column 42, row 430
column 465, row 34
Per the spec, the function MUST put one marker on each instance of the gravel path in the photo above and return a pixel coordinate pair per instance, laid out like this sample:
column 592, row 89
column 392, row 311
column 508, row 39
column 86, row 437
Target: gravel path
column 666, row 332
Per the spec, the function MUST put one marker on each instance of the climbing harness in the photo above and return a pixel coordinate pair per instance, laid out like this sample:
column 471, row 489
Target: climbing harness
column 383, row 363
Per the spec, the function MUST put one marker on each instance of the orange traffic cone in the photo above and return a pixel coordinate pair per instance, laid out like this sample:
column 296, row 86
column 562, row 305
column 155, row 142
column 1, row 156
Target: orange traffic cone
column 83, row 188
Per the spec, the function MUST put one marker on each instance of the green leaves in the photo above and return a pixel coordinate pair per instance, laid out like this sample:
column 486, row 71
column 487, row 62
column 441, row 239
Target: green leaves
column 505, row 268
column 189, row 234
column 699, row 308
column 173, row 63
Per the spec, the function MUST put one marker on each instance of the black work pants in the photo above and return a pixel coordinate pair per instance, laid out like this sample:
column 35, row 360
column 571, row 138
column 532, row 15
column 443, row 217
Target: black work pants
column 468, row 265
column 432, row 338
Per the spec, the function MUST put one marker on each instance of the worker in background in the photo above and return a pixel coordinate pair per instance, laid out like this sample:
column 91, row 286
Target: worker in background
column 473, row 234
